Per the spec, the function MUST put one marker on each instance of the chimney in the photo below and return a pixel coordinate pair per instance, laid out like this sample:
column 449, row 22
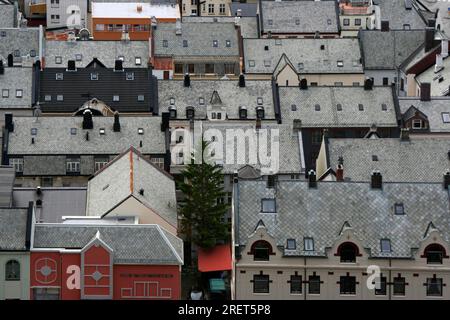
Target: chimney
column 116, row 126
column 71, row 65
column 9, row 124
column 368, row 84
column 38, row 190
column 2, row 68
column 376, row 181
column 10, row 60
column 425, row 91
column 178, row 27
column 444, row 48
column 87, row 120
column 303, row 84
column 446, row 180
column 118, row 65
column 139, row 8
column 239, row 12
column 404, row 134
column 384, row 26
column 187, row 80
column 429, row 39
column 340, row 172
column 312, row 181
column 439, row 63
column 241, row 80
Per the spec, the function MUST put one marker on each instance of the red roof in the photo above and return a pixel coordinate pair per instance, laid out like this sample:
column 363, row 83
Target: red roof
column 215, row 259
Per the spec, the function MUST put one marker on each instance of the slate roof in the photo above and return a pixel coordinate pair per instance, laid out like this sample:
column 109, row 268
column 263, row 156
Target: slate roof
column 13, row 229
column 6, row 15
column 395, row 12
column 232, row 97
column 305, row 101
column 249, row 25
column 199, row 37
column 388, row 50
column 439, row 81
column 54, row 136
column 105, row 51
column 300, row 16
column 432, row 109
column 7, row 175
column 137, row 244
column 321, row 213
column 247, row 9
column 16, row 78
column 77, row 87
column 23, row 39
column 306, row 51
column 56, row 202
column 125, row 176
column 284, row 160
column 417, row 160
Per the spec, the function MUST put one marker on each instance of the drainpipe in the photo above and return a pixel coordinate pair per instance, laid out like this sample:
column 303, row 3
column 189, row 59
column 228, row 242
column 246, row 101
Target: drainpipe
column 41, row 46
column 390, row 280
column 304, row 277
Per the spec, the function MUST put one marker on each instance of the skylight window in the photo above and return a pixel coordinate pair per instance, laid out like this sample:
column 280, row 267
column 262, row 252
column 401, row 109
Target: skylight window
column 137, row 61
column 399, row 209
column 340, row 63
column 267, row 63
column 165, row 43
column 33, row 131
column 73, row 131
column 130, row 75
column 59, row 76
column 58, row 60
column 215, row 43
column 201, row 101
column 116, row 98
column 297, row 22
column 385, row 245
column 293, row 107
column 308, row 244
column 317, row 107
column 140, row 98
column 78, row 57
column 94, row 76
column 300, row 66
column 185, row 43
column 446, row 117
column 278, row 42
column 360, row 107
column 228, row 43
column 102, row 131
column 339, row 107
column 270, row 22
column 374, row 157
column 59, row 97
column 384, row 107
column 140, row 131
column 259, row 100
column 251, row 63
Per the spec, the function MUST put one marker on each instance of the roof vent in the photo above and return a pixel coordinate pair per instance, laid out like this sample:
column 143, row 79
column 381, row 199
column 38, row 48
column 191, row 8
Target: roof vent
column 71, row 65
column 368, row 84
column 241, row 80
column 425, row 91
column 187, row 80
column 141, row 192
column 38, row 190
column 404, row 134
column 2, row 68
column 312, row 181
column 446, row 180
column 303, row 84
column 118, row 65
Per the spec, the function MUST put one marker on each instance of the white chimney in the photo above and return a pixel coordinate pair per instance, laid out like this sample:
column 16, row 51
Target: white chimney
column 239, row 12
column 444, row 48
column 178, row 27
column 439, row 63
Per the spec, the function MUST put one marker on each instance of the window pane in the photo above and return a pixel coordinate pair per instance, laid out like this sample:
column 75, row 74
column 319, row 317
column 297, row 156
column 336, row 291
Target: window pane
column 434, row 287
column 381, row 290
column 314, row 285
column 268, row 205
column 399, row 286
column 12, row 270
column 348, row 285
column 296, row 284
column 260, row 284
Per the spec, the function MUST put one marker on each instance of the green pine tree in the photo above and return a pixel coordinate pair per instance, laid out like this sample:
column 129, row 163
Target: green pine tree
column 201, row 213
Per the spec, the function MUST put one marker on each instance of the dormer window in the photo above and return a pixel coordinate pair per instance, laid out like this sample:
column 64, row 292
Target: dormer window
column 94, row 76
column 348, row 252
column 261, row 250
column 242, row 112
column 291, row 244
column 434, row 253
column 417, row 124
column 399, row 209
column 260, row 112
column 259, row 100
column 308, row 244
column 19, row 93
column 385, row 245
column 190, row 112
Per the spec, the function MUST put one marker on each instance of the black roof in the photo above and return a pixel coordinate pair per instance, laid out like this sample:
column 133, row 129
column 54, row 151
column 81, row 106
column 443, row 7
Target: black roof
column 76, row 88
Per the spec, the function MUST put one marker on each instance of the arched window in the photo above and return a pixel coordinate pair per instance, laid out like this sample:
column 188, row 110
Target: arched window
column 348, row 252
column 261, row 250
column 434, row 253
column 12, row 270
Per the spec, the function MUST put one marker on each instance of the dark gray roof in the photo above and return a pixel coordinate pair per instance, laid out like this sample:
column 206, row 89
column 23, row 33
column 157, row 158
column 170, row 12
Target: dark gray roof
column 308, row 52
column 231, row 95
column 13, row 229
column 432, row 109
column 7, row 175
column 328, row 98
column 77, row 87
column 16, row 78
column 23, row 39
column 199, row 36
column 300, row 16
column 54, row 136
column 56, row 202
column 417, row 160
column 105, row 51
column 396, row 13
column 321, row 213
column 247, row 9
column 388, row 50
column 137, row 244
column 6, row 15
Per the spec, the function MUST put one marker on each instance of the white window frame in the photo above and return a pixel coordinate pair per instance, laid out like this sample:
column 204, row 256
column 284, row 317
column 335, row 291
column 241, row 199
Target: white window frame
column 17, row 163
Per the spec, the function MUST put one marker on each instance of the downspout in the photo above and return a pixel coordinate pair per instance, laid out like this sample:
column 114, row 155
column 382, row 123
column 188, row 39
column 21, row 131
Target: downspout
column 390, row 279
column 234, row 232
column 304, row 277
column 41, row 46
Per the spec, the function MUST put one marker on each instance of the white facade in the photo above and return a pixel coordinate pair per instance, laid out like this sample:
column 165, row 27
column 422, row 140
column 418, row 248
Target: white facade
column 66, row 13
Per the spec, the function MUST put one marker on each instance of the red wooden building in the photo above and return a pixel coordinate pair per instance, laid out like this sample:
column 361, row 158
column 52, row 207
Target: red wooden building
column 71, row 262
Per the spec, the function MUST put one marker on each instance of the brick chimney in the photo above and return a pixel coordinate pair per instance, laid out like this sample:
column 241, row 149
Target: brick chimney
column 425, row 91
column 376, row 181
column 340, row 172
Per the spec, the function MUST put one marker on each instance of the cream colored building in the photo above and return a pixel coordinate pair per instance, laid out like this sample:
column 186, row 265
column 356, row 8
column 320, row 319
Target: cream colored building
column 323, row 240
column 208, row 8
